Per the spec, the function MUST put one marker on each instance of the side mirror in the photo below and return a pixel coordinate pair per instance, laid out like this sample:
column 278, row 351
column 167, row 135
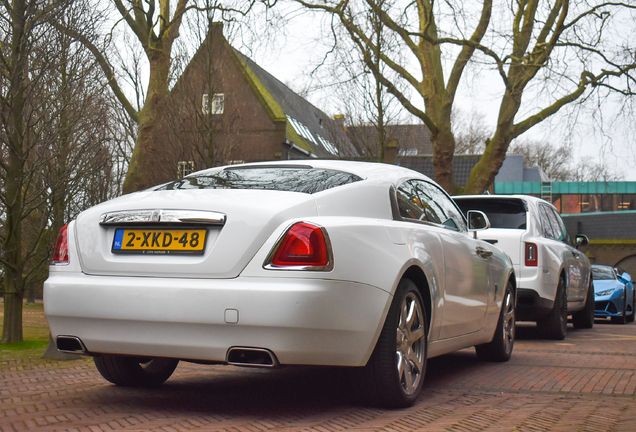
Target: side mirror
column 581, row 240
column 477, row 221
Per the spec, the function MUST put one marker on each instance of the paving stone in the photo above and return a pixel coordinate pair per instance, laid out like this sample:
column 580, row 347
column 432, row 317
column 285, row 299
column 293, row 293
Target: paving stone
column 585, row 383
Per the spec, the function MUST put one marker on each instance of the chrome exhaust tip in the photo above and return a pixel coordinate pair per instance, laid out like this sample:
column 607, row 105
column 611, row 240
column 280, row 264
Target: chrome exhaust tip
column 70, row 345
column 255, row 357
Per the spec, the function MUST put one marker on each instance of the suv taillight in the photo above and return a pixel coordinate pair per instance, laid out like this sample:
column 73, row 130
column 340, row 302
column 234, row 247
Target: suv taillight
column 532, row 255
column 60, row 251
column 304, row 246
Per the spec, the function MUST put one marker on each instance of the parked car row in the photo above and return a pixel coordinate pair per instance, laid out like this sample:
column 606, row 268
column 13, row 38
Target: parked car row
column 554, row 279
column 367, row 266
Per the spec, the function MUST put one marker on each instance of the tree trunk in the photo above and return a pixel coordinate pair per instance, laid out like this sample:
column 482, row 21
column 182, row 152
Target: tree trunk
column 146, row 167
column 15, row 164
column 12, row 322
column 483, row 174
column 443, row 149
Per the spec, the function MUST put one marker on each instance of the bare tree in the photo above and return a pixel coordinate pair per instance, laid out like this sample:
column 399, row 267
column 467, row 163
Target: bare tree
column 555, row 160
column 558, row 162
column 547, row 55
column 54, row 143
column 589, row 170
column 21, row 25
column 470, row 131
column 155, row 26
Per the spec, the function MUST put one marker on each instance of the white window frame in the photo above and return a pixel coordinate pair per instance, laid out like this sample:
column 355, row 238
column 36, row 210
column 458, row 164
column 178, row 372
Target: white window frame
column 205, row 103
column 185, row 168
column 216, row 106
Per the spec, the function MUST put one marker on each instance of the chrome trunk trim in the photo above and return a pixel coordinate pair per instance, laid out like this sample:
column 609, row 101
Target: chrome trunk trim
column 157, row 216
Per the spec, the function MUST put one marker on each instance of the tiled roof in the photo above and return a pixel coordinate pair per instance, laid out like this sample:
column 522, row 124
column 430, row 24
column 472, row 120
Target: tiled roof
column 606, row 225
column 307, row 126
column 462, row 166
column 412, row 139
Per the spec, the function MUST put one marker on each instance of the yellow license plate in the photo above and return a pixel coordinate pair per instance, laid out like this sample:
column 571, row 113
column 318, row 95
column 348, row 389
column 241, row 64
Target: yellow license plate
column 159, row 241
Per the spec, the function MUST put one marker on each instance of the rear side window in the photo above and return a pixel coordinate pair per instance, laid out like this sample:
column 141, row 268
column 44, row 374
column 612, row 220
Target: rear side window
column 303, row 179
column 558, row 230
column 550, row 228
column 409, row 203
column 420, row 200
column 502, row 213
column 441, row 206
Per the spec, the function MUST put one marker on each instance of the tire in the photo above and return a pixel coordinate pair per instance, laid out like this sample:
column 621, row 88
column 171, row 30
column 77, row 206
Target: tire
column 394, row 375
column 135, row 371
column 584, row 319
column 630, row 318
column 555, row 325
column 500, row 348
column 622, row 319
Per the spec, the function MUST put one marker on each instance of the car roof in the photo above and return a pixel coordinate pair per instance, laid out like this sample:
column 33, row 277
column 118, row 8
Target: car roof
column 365, row 170
column 493, row 196
column 523, row 197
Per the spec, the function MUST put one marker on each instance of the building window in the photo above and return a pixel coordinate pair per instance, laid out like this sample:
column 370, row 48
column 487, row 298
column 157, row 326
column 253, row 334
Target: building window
column 215, row 106
column 328, row 145
column 185, row 168
column 627, row 202
column 301, row 130
column 408, row 152
column 205, row 104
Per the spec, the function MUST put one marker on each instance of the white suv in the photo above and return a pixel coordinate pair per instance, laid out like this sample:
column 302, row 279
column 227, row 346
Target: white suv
column 554, row 278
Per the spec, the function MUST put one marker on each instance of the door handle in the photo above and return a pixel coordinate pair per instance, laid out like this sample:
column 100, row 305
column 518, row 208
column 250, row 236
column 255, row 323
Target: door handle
column 483, row 252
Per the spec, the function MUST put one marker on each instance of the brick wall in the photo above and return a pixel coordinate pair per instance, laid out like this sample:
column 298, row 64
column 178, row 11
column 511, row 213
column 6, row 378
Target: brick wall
column 612, row 237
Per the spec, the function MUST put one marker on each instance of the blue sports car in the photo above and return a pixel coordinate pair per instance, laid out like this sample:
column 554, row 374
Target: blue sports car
column 613, row 294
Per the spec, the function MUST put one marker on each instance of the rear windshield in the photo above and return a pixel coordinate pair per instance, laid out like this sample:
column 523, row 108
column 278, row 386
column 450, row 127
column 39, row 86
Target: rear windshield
column 502, row 213
column 603, row 273
column 280, row 178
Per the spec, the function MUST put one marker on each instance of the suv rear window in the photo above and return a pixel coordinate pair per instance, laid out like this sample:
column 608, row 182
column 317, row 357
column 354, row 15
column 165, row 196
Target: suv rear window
column 296, row 178
column 502, row 213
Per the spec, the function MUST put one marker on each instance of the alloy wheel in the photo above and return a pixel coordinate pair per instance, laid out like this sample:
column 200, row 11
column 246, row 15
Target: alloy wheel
column 410, row 344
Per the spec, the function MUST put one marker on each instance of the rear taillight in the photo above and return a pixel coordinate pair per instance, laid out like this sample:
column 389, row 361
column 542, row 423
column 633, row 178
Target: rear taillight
column 304, row 246
column 60, row 251
column 532, row 255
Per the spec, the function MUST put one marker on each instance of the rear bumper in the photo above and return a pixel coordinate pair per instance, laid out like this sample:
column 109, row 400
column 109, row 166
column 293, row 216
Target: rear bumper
column 531, row 306
column 536, row 292
column 302, row 321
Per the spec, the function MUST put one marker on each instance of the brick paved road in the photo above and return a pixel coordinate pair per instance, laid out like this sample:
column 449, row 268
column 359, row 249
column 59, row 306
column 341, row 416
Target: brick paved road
column 585, row 383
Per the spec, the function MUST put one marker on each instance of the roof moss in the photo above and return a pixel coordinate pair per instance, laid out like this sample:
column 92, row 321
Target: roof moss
column 294, row 137
column 272, row 107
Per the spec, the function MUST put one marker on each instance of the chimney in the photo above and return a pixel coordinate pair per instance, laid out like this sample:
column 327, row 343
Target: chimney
column 340, row 121
column 390, row 152
column 215, row 29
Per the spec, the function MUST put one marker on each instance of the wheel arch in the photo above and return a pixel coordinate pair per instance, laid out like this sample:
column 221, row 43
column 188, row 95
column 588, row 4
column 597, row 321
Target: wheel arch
column 512, row 279
column 416, row 274
column 564, row 275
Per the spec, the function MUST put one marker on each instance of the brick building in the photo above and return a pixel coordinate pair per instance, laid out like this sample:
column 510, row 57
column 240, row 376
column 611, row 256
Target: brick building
column 226, row 109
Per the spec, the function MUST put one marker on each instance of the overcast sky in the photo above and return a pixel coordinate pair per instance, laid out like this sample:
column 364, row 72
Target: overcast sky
column 290, row 57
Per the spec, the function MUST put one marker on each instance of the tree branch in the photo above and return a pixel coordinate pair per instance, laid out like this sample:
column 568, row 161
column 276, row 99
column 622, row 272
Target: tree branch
column 104, row 65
